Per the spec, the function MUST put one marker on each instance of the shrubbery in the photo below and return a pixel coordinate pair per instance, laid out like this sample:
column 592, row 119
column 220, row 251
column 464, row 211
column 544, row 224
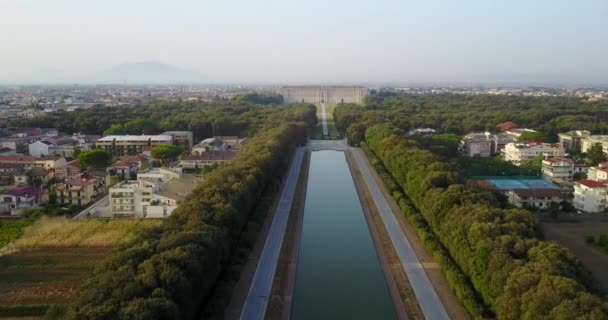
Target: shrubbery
column 496, row 250
column 168, row 272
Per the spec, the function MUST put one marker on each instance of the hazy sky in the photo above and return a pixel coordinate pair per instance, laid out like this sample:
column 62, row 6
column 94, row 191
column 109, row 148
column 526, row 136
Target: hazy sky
column 307, row 41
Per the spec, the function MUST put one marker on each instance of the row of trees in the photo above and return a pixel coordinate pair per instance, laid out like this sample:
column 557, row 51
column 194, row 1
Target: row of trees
column 513, row 273
column 169, row 271
column 461, row 114
column 204, row 119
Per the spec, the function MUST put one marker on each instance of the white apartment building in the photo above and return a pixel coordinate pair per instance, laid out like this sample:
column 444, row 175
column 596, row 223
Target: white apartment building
column 536, row 198
column 572, row 140
column 590, row 196
column 563, row 169
column 153, row 195
column 599, row 172
column 520, row 153
column 589, row 141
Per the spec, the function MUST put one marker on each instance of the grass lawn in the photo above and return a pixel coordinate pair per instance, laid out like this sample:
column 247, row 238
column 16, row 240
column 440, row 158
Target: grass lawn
column 316, row 132
column 49, row 262
column 11, row 230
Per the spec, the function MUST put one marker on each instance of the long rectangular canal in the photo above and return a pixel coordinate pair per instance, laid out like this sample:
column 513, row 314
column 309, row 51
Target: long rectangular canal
column 338, row 272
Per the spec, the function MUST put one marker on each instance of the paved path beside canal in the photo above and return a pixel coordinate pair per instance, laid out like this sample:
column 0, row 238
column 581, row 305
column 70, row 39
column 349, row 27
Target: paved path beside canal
column 324, row 115
column 423, row 289
column 259, row 291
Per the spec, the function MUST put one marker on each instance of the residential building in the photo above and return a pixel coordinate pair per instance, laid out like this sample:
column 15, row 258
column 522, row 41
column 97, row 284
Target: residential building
column 153, row 195
column 181, row 138
column 522, row 192
column 572, row 140
column 534, row 198
column 421, row 131
column 599, row 172
column 207, row 158
column 68, row 170
column 8, row 173
column 51, row 162
column 218, row 143
column 21, row 197
column 559, row 168
column 520, row 153
column 589, row 141
column 131, row 145
column 62, row 146
column 590, row 196
column 481, row 144
column 130, row 165
column 81, row 189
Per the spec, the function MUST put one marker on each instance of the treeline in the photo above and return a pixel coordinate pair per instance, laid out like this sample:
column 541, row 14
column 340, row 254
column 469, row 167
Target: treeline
column 497, row 265
column 204, row 119
column 461, row 114
column 170, row 271
column 259, row 98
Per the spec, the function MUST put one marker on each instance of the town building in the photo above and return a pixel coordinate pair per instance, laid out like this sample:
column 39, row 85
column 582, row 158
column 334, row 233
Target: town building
column 51, row 162
column 590, row 196
column 81, row 189
column 590, row 141
column 521, row 153
column 64, row 146
column 422, row 131
column 534, row 198
column 21, row 197
column 219, row 143
column 572, row 140
column 68, row 170
column 322, row 94
column 559, row 168
column 129, row 165
column 123, row 145
column 599, row 172
column 522, row 192
column 482, row 144
column 181, row 138
column 153, row 195
column 207, row 158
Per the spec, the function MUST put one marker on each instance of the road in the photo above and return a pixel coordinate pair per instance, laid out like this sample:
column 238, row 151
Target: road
column 259, row 291
column 431, row 306
column 324, row 116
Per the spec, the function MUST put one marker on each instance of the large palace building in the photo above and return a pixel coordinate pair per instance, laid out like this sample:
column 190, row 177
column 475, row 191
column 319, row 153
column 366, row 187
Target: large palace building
column 316, row 94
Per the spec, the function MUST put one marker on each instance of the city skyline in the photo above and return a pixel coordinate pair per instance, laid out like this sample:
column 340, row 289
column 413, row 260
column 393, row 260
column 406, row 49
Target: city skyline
column 545, row 42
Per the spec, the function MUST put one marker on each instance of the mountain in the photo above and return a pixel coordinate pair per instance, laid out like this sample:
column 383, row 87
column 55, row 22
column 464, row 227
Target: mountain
column 148, row 72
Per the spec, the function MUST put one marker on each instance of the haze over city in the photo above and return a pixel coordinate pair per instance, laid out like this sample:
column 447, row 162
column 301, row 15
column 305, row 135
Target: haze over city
column 65, row 41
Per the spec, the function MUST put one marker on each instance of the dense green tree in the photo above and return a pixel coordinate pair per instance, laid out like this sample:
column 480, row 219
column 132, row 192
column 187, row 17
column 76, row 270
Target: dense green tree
column 166, row 153
column 532, row 136
column 95, row 158
column 596, row 155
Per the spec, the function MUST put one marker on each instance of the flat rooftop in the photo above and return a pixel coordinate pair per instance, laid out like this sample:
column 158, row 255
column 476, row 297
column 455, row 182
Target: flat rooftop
column 160, row 137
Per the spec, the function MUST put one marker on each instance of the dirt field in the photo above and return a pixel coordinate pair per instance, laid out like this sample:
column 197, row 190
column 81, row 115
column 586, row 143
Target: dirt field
column 572, row 236
column 45, row 276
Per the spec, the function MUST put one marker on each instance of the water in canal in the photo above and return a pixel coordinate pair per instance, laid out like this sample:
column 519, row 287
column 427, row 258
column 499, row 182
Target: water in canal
column 338, row 273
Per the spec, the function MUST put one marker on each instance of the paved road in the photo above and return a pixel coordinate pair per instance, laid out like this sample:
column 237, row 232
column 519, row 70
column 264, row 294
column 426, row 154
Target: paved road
column 259, row 291
column 431, row 306
column 99, row 209
column 324, row 115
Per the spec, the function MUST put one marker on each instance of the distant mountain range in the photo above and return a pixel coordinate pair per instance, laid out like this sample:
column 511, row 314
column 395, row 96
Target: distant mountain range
column 147, row 72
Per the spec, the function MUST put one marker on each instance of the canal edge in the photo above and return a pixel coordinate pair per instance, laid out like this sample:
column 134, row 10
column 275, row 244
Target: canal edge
column 389, row 275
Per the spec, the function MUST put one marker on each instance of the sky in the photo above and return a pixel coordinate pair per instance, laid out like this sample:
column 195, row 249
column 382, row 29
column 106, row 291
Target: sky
column 312, row 41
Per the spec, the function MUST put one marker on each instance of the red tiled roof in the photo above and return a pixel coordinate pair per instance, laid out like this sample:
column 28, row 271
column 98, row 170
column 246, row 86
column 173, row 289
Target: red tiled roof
column 25, row 191
column 73, row 163
column 591, row 183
